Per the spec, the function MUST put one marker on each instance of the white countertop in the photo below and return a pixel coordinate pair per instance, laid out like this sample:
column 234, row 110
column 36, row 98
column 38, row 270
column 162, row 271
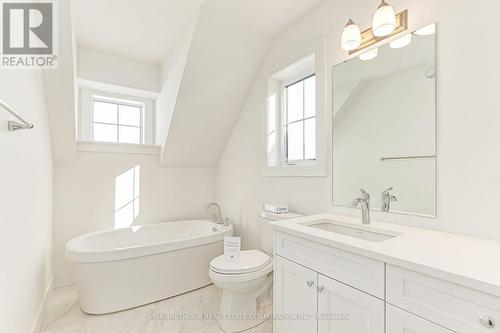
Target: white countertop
column 468, row 261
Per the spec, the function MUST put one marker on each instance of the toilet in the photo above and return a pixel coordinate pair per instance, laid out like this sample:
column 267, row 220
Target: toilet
column 243, row 282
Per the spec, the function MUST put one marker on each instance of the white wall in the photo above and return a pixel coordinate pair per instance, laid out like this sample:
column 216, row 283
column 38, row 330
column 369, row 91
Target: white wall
column 467, row 118
column 25, row 203
column 172, row 71
column 107, row 68
column 85, row 192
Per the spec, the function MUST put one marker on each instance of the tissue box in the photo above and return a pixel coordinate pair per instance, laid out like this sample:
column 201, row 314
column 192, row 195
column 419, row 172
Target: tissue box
column 276, row 209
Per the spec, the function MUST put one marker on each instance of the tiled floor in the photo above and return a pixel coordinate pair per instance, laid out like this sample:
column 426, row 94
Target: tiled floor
column 64, row 315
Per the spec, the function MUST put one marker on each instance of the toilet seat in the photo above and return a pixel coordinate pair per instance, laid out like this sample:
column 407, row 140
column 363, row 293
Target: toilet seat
column 250, row 261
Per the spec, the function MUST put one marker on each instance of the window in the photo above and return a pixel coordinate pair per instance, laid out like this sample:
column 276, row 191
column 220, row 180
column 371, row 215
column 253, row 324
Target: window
column 117, row 121
column 127, row 197
column 115, row 118
column 300, row 123
column 296, row 113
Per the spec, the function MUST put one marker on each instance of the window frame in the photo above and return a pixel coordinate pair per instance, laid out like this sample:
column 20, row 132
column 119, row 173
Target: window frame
column 85, row 117
column 118, row 102
column 283, row 69
column 285, row 84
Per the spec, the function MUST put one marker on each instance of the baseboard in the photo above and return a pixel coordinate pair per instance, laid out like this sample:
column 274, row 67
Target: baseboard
column 37, row 324
column 63, row 279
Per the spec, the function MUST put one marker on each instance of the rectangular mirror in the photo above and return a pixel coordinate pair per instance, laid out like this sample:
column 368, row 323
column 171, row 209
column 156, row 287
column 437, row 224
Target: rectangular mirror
column 384, row 126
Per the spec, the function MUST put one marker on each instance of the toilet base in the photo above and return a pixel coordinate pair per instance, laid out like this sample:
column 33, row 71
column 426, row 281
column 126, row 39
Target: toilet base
column 239, row 311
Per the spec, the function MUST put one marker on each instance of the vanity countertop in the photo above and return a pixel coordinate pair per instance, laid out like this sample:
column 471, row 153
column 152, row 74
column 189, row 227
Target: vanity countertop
column 468, row 261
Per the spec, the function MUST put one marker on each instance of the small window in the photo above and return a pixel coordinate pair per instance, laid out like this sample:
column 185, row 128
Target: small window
column 115, row 118
column 300, row 120
column 117, row 121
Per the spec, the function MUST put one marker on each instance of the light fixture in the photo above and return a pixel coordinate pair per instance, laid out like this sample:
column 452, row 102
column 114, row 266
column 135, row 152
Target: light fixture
column 351, row 36
column 384, row 20
column 369, row 55
column 427, row 30
column 401, row 42
column 385, row 24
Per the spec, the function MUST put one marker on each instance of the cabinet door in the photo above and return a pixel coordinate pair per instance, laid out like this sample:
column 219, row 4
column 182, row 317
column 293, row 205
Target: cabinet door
column 400, row 321
column 344, row 309
column 295, row 297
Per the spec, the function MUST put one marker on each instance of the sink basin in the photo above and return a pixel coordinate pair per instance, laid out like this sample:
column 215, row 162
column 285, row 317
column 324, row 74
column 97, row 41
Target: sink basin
column 361, row 232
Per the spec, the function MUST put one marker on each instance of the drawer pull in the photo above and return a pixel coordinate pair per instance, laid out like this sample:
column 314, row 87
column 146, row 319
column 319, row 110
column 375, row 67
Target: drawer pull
column 321, row 289
column 487, row 322
column 310, row 284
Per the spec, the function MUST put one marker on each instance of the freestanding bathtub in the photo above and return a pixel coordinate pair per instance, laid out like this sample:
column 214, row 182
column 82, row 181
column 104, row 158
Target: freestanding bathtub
column 124, row 268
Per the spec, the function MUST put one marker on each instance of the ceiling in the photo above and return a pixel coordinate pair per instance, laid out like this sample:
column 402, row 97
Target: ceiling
column 145, row 30
column 230, row 42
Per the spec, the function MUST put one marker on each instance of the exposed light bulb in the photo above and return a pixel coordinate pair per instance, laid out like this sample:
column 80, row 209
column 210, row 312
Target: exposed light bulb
column 427, row 30
column 351, row 36
column 384, row 20
column 369, row 55
column 401, row 42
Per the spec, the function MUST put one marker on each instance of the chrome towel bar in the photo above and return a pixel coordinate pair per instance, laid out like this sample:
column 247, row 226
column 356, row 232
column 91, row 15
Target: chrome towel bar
column 406, row 157
column 14, row 125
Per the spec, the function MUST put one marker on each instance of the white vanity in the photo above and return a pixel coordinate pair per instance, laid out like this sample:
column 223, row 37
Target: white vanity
column 333, row 274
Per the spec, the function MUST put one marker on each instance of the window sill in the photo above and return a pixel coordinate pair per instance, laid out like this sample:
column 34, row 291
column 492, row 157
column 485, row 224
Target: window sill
column 117, row 148
column 294, row 171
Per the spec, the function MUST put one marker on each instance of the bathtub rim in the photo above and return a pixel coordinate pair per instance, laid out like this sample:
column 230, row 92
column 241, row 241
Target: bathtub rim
column 123, row 253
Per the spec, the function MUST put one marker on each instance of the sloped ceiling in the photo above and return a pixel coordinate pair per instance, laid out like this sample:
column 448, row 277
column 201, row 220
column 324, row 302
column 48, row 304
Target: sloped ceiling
column 145, row 30
column 230, row 41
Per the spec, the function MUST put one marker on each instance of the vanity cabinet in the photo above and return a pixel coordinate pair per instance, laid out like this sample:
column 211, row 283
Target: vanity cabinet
column 306, row 301
column 458, row 308
column 329, row 290
column 296, row 297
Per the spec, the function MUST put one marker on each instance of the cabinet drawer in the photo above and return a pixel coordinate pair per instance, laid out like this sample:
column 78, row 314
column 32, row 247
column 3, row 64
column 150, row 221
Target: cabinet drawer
column 450, row 305
column 359, row 272
column 399, row 321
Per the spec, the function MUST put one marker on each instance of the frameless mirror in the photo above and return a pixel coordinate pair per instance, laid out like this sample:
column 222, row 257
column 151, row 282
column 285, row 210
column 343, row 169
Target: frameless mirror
column 384, row 126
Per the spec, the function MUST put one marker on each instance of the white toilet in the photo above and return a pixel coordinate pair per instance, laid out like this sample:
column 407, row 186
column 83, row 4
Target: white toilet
column 243, row 282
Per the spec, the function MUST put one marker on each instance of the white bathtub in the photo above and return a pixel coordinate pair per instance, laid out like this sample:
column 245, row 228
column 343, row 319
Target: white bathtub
column 120, row 269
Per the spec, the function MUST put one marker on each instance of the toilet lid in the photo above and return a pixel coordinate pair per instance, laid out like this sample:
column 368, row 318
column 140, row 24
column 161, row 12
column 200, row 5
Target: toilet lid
column 250, row 261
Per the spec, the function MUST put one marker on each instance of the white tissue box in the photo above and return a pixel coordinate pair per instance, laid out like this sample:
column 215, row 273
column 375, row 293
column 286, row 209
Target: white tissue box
column 276, row 209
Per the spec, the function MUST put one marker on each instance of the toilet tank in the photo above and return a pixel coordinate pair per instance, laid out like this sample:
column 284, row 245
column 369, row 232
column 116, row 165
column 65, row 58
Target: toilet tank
column 266, row 232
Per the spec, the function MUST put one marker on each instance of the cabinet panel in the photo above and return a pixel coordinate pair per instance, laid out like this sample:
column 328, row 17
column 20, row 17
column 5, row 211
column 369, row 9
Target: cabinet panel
column 362, row 273
column 455, row 307
column 347, row 310
column 295, row 297
column 400, row 321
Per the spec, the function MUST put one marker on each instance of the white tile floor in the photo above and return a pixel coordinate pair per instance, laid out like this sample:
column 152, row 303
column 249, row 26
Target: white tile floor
column 64, row 315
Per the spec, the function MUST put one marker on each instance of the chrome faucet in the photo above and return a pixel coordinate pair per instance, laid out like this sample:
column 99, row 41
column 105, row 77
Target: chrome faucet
column 364, row 201
column 217, row 217
column 387, row 198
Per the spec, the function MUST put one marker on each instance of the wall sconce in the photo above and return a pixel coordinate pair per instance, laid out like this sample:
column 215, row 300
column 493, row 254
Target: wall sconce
column 385, row 24
column 384, row 20
column 351, row 36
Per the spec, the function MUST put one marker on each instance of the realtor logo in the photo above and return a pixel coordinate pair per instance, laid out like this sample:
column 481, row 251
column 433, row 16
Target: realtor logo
column 28, row 34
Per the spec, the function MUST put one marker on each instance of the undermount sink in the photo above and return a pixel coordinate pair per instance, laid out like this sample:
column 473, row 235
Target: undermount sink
column 361, row 232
